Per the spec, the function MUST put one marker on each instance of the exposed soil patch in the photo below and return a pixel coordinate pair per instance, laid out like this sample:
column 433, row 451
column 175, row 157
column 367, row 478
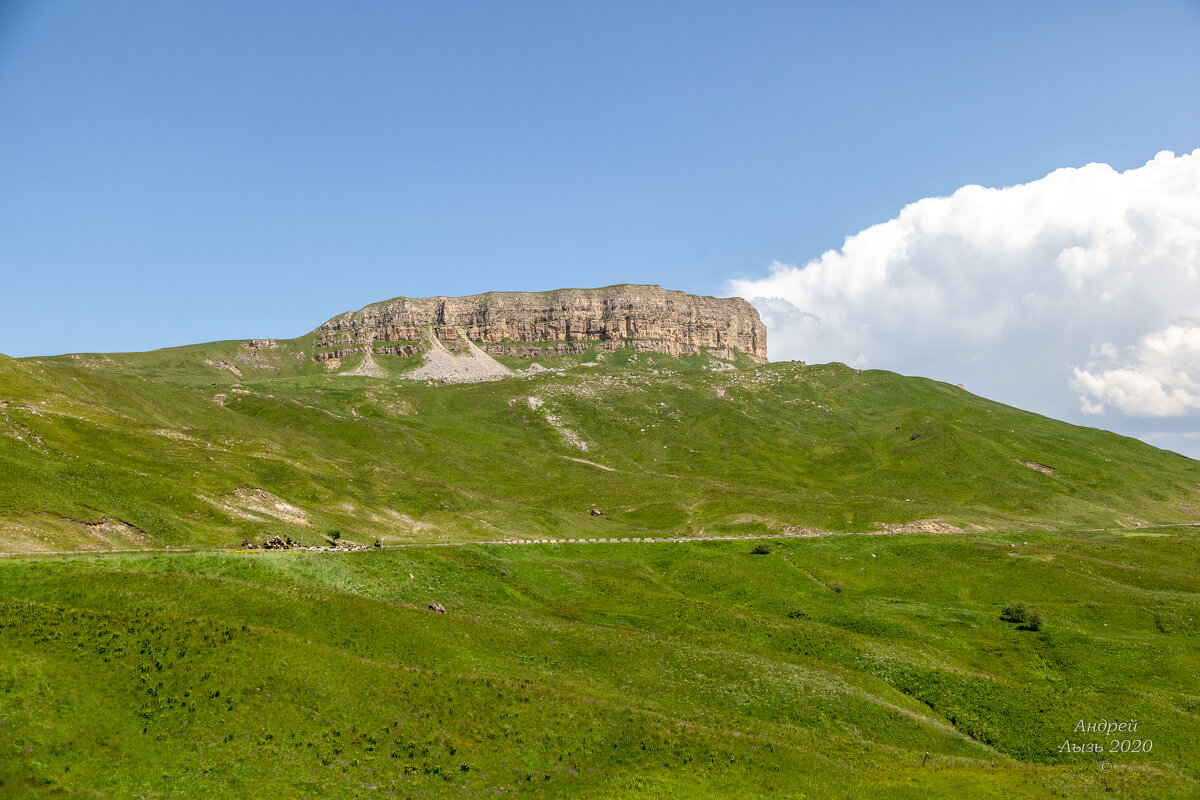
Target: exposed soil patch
column 413, row 525
column 252, row 503
column 109, row 527
column 1040, row 467
column 48, row 533
column 919, row 526
column 177, row 435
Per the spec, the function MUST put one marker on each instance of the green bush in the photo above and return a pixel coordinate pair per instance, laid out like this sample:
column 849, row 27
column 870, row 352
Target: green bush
column 835, row 586
column 1033, row 621
column 1014, row 612
column 334, row 534
column 760, row 549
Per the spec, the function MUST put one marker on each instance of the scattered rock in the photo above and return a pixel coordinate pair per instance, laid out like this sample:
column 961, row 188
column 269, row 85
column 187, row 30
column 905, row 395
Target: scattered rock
column 276, row 543
column 471, row 366
column 437, row 607
column 220, row 363
column 919, row 526
column 597, row 513
column 281, row 543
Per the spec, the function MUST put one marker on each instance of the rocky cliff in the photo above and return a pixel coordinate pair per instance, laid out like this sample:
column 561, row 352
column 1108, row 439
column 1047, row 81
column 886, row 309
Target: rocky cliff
column 532, row 324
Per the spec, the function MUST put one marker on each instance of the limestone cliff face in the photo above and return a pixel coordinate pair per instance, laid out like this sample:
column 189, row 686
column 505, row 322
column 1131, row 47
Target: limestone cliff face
column 532, row 324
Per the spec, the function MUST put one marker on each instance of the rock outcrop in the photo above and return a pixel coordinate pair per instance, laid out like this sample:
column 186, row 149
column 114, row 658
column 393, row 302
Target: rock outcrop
column 535, row 324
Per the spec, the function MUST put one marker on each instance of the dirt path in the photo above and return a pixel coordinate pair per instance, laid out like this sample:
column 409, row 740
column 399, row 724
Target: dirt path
column 800, row 533
column 589, row 463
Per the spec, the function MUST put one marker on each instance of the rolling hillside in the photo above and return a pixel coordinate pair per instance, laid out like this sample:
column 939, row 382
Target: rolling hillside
column 172, row 448
column 808, row 661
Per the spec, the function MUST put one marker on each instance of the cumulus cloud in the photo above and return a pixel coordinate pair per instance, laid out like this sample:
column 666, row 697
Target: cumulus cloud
column 1159, row 378
column 1080, row 290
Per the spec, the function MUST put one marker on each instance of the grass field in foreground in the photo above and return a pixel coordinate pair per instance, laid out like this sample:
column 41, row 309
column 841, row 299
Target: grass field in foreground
column 826, row 668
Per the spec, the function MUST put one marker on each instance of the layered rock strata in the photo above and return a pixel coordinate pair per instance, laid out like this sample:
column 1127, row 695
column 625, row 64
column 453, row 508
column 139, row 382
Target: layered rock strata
column 536, row 324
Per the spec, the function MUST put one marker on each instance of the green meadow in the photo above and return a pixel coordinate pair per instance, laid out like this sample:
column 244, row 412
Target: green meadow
column 826, row 668
column 855, row 649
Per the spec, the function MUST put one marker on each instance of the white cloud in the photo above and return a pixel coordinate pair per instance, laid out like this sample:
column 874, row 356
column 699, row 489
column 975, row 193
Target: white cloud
column 1160, row 378
column 1017, row 292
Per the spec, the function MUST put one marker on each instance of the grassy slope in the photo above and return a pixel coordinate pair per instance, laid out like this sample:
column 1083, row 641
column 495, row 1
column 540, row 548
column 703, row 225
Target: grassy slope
column 140, row 438
column 657, row 670
column 661, row 670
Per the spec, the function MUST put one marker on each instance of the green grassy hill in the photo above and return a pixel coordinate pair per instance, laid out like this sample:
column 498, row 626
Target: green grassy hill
column 832, row 665
column 166, row 449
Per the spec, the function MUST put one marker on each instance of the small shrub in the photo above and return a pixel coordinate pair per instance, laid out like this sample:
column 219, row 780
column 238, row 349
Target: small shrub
column 1014, row 612
column 835, row 586
column 760, row 549
column 797, row 614
column 334, row 534
column 1033, row 621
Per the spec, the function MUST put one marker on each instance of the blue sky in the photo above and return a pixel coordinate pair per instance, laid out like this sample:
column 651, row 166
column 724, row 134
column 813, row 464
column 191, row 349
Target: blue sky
column 181, row 172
